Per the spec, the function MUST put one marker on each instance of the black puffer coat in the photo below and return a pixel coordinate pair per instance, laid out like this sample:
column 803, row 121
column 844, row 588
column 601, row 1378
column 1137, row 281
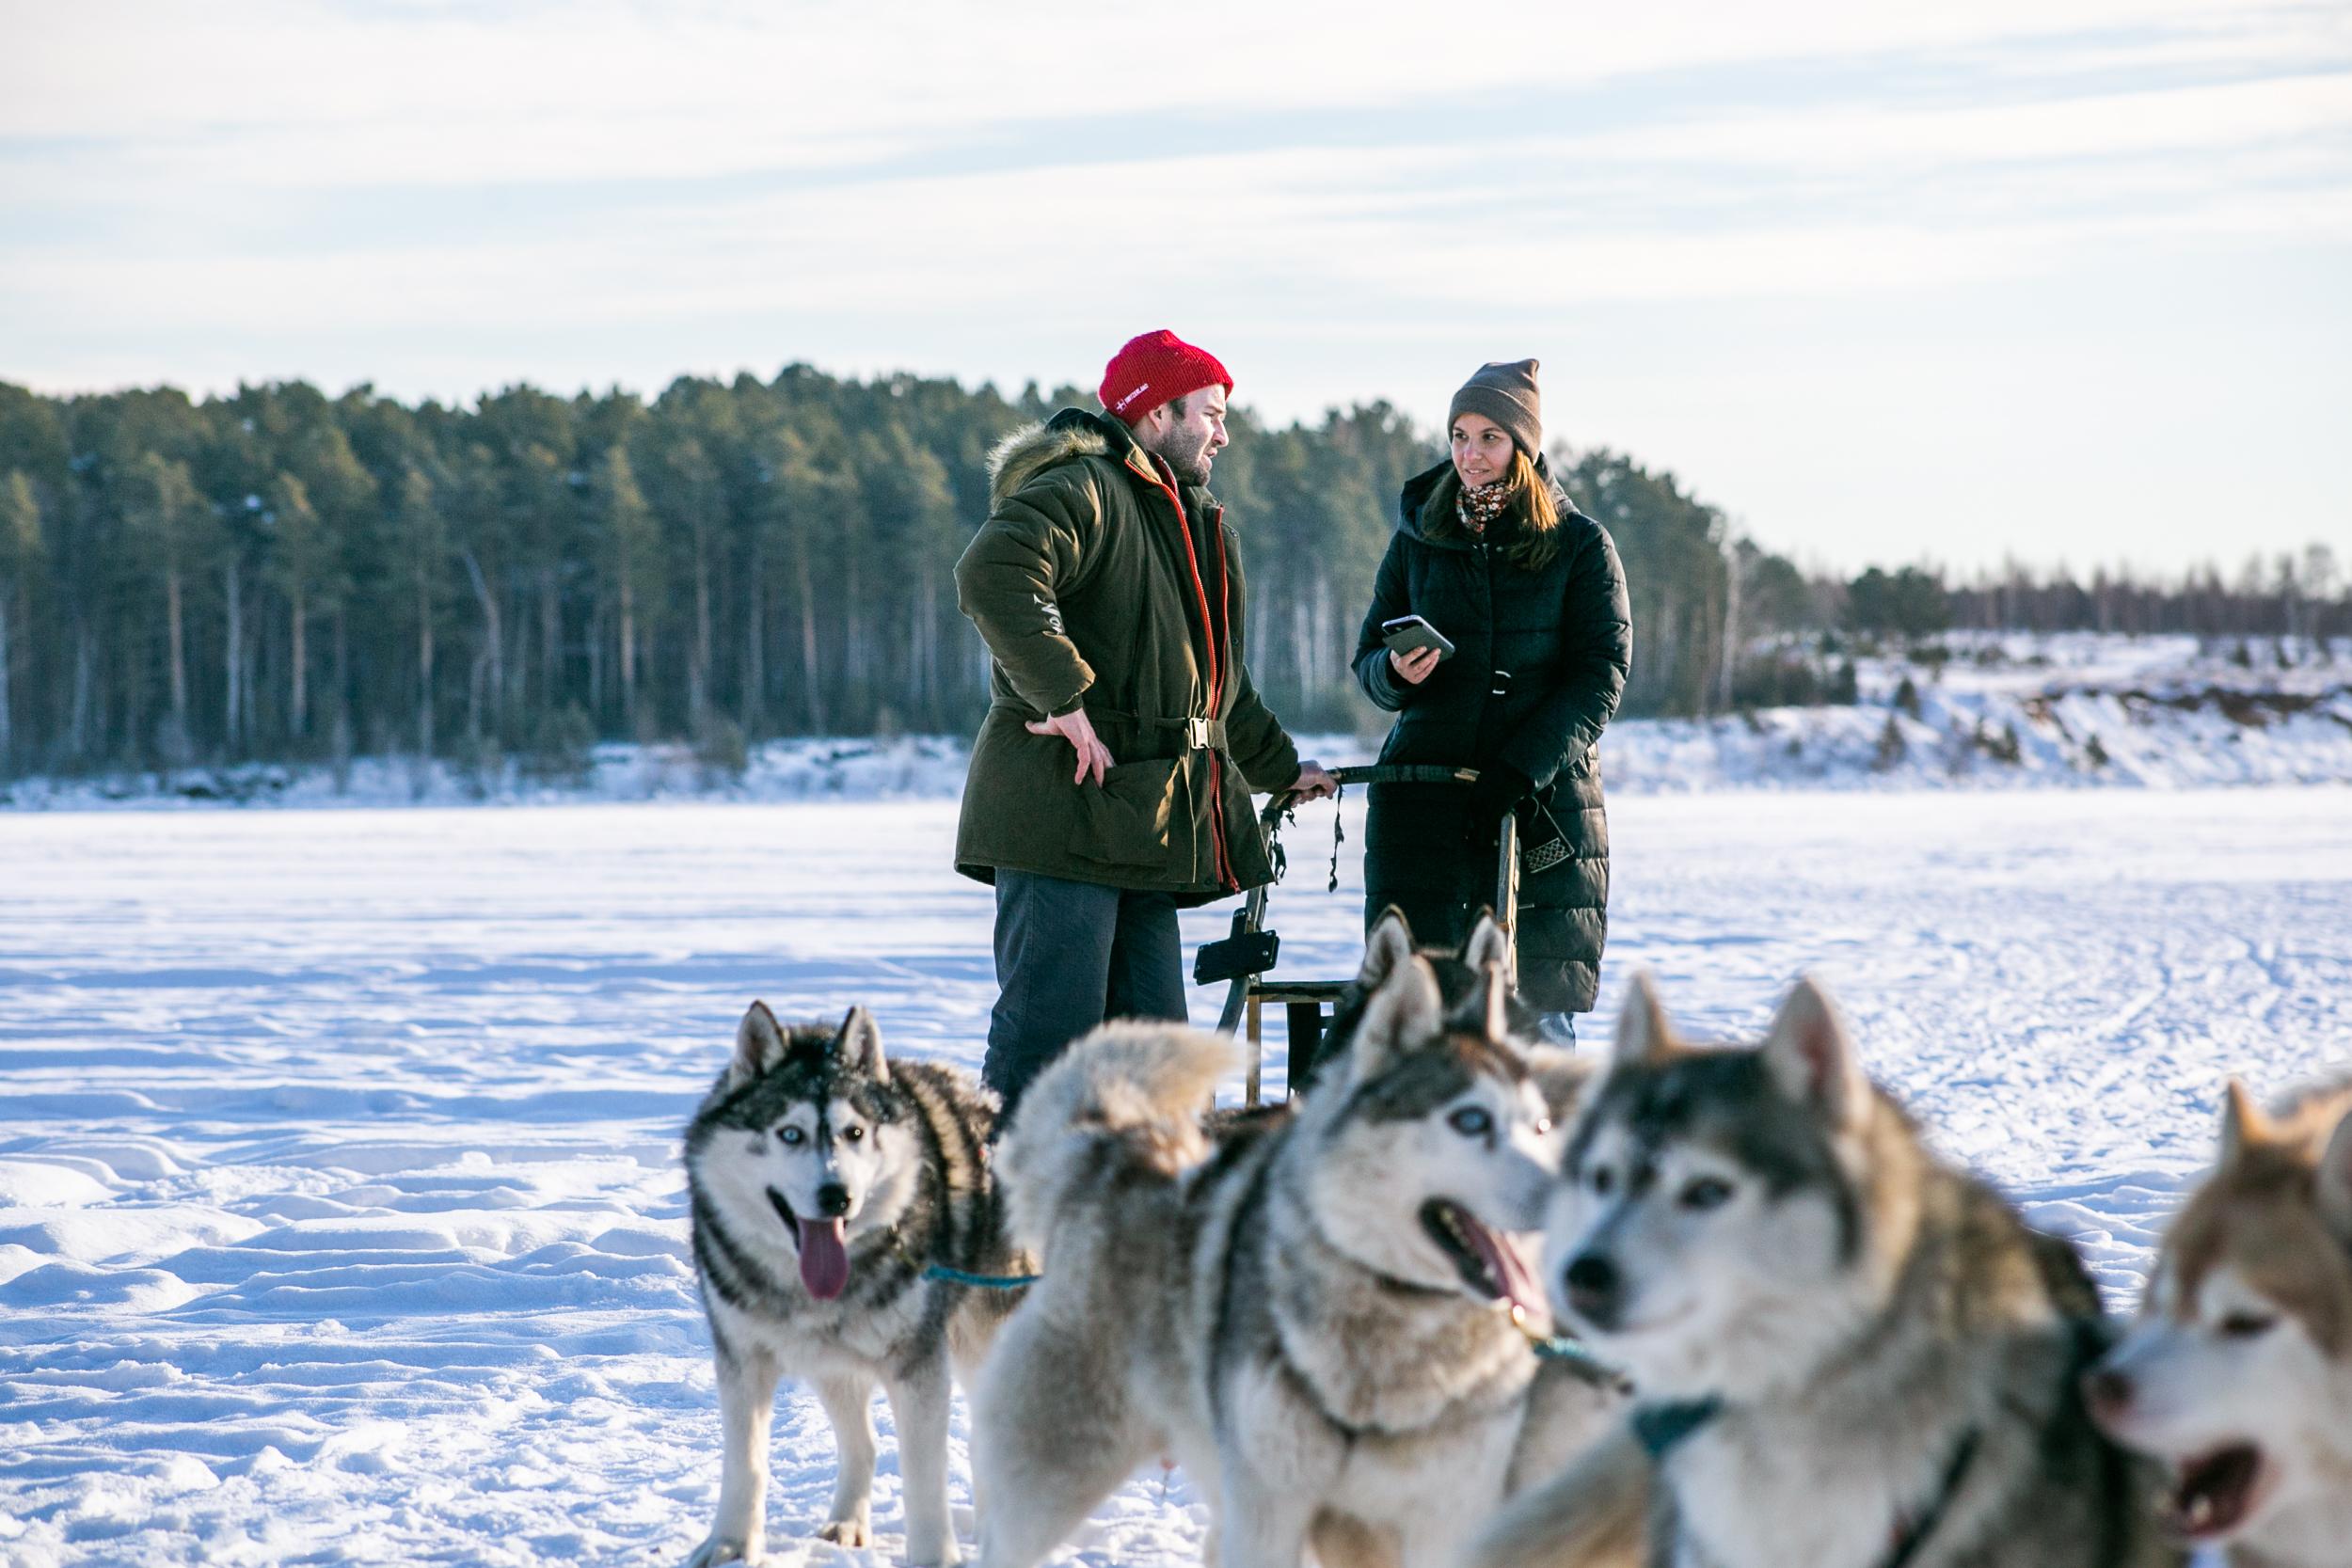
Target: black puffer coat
column 1557, row 642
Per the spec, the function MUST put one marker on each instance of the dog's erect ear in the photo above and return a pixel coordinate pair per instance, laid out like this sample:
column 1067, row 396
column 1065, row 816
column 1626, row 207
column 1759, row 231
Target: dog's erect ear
column 1389, row 944
column 1488, row 944
column 857, row 1049
column 2335, row 1181
column 1405, row 1011
column 1812, row 1057
column 759, row 1046
column 1498, row 1003
column 2243, row 1123
column 1643, row 1033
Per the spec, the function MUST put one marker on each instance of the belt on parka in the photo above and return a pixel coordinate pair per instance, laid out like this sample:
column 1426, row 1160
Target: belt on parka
column 1177, row 736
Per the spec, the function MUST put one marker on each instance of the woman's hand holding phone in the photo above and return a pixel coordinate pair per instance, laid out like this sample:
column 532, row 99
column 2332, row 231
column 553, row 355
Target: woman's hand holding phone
column 1413, row 668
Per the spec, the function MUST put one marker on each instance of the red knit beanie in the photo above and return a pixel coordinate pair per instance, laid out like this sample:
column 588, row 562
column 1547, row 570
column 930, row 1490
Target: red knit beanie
column 1149, row 370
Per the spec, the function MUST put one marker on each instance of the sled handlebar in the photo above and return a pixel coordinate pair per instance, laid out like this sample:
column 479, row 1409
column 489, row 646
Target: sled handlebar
column 1371, row 774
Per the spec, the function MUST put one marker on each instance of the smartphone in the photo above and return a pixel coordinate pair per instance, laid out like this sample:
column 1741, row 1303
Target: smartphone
column 1408, row 632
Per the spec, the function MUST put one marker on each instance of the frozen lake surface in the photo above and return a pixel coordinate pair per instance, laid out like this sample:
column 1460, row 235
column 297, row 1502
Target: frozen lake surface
column 340, row 1213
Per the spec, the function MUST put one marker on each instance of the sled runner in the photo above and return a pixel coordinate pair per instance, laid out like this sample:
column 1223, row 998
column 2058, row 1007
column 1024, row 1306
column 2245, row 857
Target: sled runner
column 1246, row 954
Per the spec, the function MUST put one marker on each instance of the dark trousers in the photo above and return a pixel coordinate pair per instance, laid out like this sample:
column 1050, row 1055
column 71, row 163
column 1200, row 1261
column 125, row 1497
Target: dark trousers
column 1069, row 955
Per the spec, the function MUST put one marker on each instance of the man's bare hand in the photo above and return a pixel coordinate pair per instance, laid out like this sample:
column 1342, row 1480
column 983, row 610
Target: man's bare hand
column 1413, row 668
column 1313, row 783
column 1094, row 758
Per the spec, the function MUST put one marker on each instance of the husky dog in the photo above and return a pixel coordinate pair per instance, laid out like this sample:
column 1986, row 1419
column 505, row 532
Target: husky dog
column 1849, row 1354
column 824, row 1183
column 1461, row 977
column 2238, row 1372
column 1310, row 1312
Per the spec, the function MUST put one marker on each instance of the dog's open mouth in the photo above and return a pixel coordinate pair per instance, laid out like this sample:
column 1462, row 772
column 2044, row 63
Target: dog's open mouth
column 1489, row 1264
column 2217, row 1491
column 823, row 1247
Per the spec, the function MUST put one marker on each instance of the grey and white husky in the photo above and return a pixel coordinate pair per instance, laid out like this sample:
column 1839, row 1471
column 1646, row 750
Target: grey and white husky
column 1849, row 1354
column 1309, row 1311
column 824, row 1183
column 2237, row 1374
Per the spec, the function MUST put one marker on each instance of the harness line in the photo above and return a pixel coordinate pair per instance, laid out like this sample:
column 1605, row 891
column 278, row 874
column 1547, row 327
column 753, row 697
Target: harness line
column 984, row 1281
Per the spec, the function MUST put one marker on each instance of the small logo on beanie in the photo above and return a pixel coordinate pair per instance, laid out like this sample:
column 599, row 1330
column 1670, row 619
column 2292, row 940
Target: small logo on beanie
column 1128, row 401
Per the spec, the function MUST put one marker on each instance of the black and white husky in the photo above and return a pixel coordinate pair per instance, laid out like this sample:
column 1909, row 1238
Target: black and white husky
column 825, row 1182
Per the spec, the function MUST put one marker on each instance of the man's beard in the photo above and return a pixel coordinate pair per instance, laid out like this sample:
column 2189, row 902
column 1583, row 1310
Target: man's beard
column 1190, row 467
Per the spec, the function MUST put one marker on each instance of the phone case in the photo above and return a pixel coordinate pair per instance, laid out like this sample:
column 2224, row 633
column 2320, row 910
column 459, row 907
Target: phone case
column 1420, row 634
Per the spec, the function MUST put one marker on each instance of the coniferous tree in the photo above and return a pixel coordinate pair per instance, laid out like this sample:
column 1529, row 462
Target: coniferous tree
column 275, row 573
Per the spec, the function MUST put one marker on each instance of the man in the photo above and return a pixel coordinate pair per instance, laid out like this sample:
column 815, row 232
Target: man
column 1110, row 782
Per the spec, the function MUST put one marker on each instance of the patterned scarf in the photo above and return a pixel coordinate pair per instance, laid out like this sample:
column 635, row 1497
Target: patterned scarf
column 1479, row 507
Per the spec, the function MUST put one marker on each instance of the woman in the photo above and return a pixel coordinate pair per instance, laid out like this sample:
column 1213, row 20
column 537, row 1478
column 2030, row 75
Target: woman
column 1528, row 589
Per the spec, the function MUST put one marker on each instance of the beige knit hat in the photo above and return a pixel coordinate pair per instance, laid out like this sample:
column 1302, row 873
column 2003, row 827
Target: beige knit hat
column 1505, row 394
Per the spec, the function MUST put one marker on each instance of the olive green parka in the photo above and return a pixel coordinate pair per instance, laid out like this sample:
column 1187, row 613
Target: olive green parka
column 1098, row 580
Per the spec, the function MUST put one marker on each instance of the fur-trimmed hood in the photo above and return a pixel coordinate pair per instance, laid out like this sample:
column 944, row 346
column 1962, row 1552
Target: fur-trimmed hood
column 1031, row 449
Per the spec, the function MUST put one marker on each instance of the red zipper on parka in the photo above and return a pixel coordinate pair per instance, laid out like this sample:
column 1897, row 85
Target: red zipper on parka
column 1225, row 878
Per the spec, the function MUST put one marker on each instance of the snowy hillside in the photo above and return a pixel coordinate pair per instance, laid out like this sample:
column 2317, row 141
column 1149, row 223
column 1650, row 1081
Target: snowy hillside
column 2002, row 712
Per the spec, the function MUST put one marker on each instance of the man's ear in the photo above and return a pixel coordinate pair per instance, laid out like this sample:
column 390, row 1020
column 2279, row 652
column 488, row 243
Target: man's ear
column 1151, row 425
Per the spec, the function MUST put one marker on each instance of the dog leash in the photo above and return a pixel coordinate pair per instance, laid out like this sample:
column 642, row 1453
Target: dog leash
column 1560, row 1347
column 984, row 1281
column 1913, row 1535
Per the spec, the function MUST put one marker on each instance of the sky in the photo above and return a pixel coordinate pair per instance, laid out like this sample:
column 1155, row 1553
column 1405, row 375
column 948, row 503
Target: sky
column 2068, row 281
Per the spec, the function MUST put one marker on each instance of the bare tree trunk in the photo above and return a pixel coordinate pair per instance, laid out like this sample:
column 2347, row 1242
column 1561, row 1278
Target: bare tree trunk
column 233, row 723
column 1731, row 626
column 698, row 679
column 490, row 663
column 551, row 637
column 516, row 662
column 595, row 659
column 424, row 663
column 811, row 682
column 1302, row 646
column 629, row 657
column 178, row 651
column 754, row 643
column 78, row 725
column 298, row 704
column 7, row 729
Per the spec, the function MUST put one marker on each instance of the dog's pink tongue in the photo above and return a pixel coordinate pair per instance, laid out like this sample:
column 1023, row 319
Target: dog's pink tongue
column 824, row 1260
column 1511, row 1271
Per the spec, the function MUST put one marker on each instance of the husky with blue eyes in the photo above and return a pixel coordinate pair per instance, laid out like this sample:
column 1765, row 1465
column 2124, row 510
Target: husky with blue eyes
column 1313, row 1310
column 1848, row 1353
column 826, row 1183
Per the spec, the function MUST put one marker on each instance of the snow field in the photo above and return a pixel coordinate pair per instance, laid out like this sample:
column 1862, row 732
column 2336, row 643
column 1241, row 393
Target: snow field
column 341, row 1220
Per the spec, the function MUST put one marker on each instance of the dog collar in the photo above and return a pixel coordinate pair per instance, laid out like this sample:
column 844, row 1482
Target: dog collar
column 1660, row 1429
column 1912, row 1534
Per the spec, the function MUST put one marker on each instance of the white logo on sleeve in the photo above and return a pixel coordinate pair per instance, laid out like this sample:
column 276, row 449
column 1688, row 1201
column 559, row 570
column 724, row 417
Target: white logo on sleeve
column 1053, row 614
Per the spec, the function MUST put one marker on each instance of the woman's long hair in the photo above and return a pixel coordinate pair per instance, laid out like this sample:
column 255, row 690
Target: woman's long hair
column 1530, row 522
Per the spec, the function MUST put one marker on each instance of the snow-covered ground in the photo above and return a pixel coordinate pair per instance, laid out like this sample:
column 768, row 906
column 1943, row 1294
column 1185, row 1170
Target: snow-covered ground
column 2001, row 712
column 340, row 1213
